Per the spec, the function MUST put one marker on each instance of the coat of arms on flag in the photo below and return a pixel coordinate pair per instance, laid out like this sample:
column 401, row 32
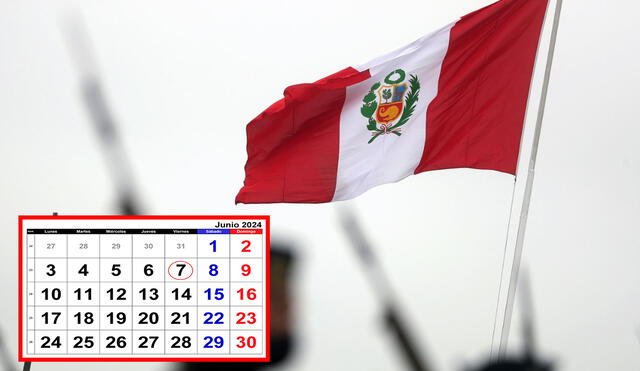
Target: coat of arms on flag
column 386, row 106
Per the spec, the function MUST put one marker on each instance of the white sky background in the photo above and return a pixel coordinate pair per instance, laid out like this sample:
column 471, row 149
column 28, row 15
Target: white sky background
column 184, row 78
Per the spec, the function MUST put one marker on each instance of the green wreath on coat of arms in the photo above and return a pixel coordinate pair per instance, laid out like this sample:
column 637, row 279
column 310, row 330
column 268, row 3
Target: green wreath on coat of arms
column 388, row 107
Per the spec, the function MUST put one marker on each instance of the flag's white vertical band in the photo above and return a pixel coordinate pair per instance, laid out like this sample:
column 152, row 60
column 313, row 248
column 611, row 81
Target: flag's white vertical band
column 406, row 49
column 389, row 158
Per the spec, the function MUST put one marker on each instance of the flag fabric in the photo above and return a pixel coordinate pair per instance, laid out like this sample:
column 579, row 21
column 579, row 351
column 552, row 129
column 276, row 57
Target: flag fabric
column 455, row 98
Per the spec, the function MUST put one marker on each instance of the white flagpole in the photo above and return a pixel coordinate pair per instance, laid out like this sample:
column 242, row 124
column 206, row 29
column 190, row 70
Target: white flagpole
column 504, row 312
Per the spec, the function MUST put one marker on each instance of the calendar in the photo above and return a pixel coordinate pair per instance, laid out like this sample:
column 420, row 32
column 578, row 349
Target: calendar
column 143, row 288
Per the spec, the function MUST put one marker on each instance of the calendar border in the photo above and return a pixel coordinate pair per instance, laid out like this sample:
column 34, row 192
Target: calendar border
column 267, row 323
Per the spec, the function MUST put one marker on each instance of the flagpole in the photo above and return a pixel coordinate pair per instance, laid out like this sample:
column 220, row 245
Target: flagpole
column 503, row 325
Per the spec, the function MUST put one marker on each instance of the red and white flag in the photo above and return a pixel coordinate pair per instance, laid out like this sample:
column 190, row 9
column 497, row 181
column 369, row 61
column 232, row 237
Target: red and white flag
column 454, row 98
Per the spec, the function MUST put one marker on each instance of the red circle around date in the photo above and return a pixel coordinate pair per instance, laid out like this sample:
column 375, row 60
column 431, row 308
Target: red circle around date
column 180, row 270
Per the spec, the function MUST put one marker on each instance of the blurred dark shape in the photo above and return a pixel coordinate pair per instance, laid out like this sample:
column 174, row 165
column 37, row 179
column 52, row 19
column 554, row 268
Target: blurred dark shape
column 516, row 365
column 529, row 360
column 128, row 206
column 281, row 341
column 526, row 310
column 118, row 161
column 282, row 260
column 381, row 285
column 96, row 103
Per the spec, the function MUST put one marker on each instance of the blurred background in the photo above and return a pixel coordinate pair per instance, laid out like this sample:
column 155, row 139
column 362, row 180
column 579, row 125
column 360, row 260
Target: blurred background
column 180, row 81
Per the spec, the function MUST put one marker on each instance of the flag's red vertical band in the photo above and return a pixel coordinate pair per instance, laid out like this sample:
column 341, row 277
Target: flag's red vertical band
column 293, row 146
column 476, row 119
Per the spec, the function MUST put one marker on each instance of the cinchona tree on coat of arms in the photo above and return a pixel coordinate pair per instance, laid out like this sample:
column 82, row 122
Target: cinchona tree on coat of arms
column 388, row 107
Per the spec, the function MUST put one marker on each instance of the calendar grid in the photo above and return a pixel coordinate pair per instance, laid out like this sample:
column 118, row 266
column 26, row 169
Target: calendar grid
column 72, row 269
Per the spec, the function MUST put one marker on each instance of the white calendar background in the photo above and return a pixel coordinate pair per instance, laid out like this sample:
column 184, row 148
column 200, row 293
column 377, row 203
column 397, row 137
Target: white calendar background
column 144, row 288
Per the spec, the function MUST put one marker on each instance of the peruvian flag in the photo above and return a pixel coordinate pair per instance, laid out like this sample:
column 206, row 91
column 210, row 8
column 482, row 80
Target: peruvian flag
column 452, row 99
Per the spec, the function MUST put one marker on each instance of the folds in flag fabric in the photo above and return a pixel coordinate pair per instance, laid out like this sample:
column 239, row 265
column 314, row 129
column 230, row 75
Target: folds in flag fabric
column 455, row 98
